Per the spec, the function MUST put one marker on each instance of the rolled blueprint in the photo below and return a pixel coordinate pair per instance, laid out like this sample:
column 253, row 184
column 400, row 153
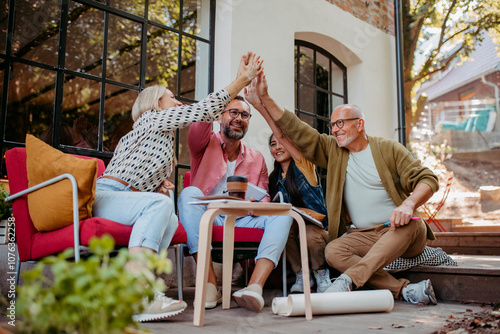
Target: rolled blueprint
column 335, row 303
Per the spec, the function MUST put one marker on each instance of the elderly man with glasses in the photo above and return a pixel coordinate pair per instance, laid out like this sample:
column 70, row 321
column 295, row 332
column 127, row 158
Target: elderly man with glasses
column 373, row 189
column 215, row 157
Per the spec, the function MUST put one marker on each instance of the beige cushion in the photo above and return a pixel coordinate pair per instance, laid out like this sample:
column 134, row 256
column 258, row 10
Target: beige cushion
column 51, row 207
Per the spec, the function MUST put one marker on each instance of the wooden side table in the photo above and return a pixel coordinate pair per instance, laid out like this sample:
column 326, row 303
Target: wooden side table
column 232, row 210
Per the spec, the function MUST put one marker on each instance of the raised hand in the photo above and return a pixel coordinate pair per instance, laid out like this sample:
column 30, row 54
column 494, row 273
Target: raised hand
column 262, row 88
column 251, row 93
column 250, row 67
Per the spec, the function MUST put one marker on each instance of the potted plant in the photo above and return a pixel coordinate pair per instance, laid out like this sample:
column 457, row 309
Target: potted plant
column 95, row 295
column 5, row 213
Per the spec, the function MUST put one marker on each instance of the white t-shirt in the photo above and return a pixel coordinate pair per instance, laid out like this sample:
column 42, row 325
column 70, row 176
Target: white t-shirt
column 221, row 186
column 366, row 199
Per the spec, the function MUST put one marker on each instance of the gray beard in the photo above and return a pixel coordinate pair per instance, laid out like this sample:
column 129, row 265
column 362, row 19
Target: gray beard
column 232, row 134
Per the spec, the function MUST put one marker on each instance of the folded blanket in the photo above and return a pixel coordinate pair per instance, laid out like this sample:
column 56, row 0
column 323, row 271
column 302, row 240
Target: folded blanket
column 429, row 257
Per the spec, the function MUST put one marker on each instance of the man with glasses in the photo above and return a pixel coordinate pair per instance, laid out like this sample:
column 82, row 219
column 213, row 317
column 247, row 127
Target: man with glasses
column 214, row 157
column 370, row 181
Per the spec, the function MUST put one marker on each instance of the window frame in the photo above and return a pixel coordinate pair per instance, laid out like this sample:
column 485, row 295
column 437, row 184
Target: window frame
column 315, row 115
column 61, row 71
column 332, row 59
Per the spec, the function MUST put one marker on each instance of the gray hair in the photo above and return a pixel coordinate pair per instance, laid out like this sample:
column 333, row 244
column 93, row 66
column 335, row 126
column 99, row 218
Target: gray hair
column 356, row 111
column 148, row 99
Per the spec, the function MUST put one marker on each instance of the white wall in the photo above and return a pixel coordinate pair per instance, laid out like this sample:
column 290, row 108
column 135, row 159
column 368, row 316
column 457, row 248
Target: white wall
column 269, row 28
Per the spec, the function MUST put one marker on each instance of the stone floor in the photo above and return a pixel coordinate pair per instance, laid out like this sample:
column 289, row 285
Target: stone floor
column 404, row 318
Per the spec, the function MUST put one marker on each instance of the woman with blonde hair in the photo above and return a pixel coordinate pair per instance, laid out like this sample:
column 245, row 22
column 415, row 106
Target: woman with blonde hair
column 131, row 190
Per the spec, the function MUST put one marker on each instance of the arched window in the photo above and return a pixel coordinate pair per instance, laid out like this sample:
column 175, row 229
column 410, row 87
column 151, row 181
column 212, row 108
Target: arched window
column 320, row 87
column 320, row 84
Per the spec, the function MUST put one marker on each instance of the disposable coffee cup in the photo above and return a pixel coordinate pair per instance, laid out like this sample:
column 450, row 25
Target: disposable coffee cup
column 237, row 186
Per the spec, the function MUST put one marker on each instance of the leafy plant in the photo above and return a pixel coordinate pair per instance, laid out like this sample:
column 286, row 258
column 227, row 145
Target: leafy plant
column 95, row 295
column 5, row 207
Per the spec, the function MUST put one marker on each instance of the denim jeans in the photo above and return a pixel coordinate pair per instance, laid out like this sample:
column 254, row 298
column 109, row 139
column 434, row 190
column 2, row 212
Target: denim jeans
column 151, row 214
column 276, row 228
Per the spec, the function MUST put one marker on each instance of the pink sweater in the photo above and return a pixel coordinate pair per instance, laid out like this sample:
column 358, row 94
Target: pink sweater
column 209, row 160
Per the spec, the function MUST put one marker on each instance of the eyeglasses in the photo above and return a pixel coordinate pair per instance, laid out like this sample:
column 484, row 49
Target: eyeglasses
column 340, row 123
column 234, row 113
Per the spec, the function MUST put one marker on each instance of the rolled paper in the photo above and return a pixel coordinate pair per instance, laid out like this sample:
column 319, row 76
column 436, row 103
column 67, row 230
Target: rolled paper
column 335, row 303
column 279, row 305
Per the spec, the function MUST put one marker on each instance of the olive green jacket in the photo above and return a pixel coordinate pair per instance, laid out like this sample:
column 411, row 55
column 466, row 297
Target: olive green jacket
column 399, row 171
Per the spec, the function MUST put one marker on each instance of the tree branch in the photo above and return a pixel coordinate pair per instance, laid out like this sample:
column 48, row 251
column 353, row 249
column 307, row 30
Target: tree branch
column 440, row 68
column 443, row 26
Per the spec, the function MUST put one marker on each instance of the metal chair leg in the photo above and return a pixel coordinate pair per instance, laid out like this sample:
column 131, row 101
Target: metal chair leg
column 179, row 265
column 285, row 288
column 18, row 269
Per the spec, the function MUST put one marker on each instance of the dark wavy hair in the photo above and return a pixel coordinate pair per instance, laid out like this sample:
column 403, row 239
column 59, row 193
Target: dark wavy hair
column 290, row 184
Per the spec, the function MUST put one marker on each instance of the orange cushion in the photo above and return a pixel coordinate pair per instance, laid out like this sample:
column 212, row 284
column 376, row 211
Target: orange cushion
column 51, row 207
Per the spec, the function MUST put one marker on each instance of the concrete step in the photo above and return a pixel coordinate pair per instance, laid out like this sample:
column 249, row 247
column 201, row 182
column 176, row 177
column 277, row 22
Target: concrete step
column 475, row 279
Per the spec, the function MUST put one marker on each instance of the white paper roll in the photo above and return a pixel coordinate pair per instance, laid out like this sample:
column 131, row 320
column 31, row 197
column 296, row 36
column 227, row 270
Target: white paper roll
column 335, row 303
column 279, row 305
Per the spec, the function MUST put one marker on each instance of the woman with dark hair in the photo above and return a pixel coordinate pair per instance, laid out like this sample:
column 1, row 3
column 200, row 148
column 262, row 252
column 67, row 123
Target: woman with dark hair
column 296, row 178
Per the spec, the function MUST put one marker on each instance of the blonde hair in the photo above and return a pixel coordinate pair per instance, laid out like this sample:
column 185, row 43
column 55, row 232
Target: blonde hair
column 148, row 99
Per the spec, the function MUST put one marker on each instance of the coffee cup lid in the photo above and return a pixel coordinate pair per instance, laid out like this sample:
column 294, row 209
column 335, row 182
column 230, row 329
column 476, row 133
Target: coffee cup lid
column 236, row 178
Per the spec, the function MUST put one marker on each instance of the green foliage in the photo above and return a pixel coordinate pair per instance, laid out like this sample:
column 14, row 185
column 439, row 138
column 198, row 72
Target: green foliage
column 457, row 24
column 5, row 207
column 95, row 295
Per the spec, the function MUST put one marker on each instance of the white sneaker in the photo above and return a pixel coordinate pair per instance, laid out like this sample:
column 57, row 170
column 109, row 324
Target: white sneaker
column 213, row 297
column 298, row 286
column 249, row 299
column 159, row 308
column 343, row 283
column 323, row 280
column 420, row 293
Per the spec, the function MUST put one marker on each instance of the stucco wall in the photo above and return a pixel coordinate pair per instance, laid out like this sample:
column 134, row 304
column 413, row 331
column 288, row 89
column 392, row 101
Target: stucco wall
column 270, row 28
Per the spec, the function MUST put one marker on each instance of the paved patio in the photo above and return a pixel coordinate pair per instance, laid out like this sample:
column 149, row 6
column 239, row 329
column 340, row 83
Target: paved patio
column 404, row 318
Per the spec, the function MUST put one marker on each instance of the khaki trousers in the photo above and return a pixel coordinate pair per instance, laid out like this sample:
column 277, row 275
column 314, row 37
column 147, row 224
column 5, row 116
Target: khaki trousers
column 317, row 238
column 363, row 253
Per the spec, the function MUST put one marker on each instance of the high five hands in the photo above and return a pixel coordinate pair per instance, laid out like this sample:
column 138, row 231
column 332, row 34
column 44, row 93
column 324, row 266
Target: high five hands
column 250, row 67
column 255, row 90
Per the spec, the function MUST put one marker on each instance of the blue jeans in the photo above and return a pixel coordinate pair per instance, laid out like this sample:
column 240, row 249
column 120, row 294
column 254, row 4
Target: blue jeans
column 276, row 228
column 151, row 214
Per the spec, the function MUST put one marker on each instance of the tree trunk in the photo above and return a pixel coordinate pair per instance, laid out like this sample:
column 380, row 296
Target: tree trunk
column 409, row 118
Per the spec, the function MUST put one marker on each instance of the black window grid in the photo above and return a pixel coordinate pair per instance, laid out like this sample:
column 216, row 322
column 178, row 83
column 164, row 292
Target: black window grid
column 62, row 73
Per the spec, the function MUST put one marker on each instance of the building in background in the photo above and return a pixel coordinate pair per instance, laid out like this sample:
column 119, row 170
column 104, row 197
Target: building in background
column 463, row 101
column 71, row 70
